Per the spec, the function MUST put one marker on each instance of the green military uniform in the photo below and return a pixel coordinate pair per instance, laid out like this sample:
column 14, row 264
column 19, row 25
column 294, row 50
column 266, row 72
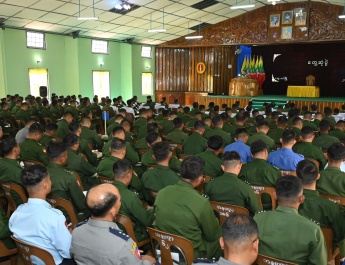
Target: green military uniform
column 326, row 214
column 227, row 128
column 262, row 136
column 308, row 150
column 286, row 235
column 297, row 131
column 132, row 207
column 74, row 112
column 233, row 129
column 128, row 138
column 276, row 135
column 45, row 140
column 191, row 123
column 338, row 134
column 10, row 171
column 15, row 109
column 194, row 144
column 331, row 120
column 5, row 233
column 96, row 110
column 167, row 126
column 62, row 128
column 177, row 136
column 111, row 127
column 32, row 150
column 141, row 144
column 39, row 106
column 147, row 160
column 110, row 110
column 324, row 141
column 273, row 124
column 65, row 186
column 86, row 171
column 142, row 132
column 195, row 219
column 212, row 164
column 316, row 122
column 47, row 113
column 186, row 118
column 131, row 155
column 91, row 137
column 6, row 114
column 33, row 111
column 332, row 181
column 159, row 117
column 310, row 124
column 85, row 149
column 23, row 115
column 141, row 121
column 56, row 111
column 228, row 188
column 218, row 131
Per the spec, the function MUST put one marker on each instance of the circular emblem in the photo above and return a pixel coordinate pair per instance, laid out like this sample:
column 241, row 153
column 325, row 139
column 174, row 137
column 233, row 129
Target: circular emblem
column 200, row 68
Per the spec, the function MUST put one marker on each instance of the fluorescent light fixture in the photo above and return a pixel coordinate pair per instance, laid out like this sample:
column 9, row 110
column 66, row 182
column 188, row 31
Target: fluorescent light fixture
column 157, row 30
column 87, row 18
column 341, row 16
column 193, row 37
column 242, row 6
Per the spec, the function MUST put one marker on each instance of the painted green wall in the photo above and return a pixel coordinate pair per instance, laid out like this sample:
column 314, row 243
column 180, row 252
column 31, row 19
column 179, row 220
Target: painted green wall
column 3, row 92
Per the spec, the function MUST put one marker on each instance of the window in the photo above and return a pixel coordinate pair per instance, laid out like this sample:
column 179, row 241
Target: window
column 35, row 40
column 99, row 46
column 146, row 51
column 37, row 77
column 101, row 83
column 146, row 84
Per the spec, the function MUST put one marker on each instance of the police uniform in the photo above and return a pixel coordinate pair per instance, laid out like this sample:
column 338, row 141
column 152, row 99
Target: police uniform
column 212, row 164
column 147, row 160
column 5, row 233
column 177, row 136
column 285, row 159
column 276, row 135
column 308, row 150
column 324, row 141
column 326, row 214
column 228, row 188
column 266, row 139
column 62, row 128
column 65, row 186
column 218, row 131
column 338, row 134
column 332, row 181
column 194, row 144
column 132, row 207
column 91, row 137
column 23, row 115
column 286, row 235
column 37, row 223
column 46, row 140
column 30, row 149
column 46, row 113
column 195, row 219
column 140, row 122
column 131, row 155
column 102, row 242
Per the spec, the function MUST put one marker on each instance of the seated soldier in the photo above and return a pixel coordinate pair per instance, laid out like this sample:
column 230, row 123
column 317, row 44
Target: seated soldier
column 77, row 163
column 64, row 183
column 113, row 122
column 5, row 113
column 327, row 111
column 332, row 179
column 72, row 108
column 141, row 121
column 195, row 143
column 161, row 176
column 307, row 120
column 131, row 205
column 217, row 130
column 46, row 112
column 150, row 128
column 297, row 125
column 89, row 135
column 240, row 120
column 108, row 108
column 239, row 241
column 317, row 118
column 177, row 136
column 262, row 130
column 23, row 113
column 285, row 158
column 197, row 117
column 338, row 130
column 202, row 227
column 228, row 188
column 143, row 130
column 211, row 156
column 283, row 225
column 324, row 140
column 307, row 149
column 31, row 149
column 226, row 124
column 319, row 209
column 5, row 233
column 126, row 125
column 277, row 133
column 49, row 134
column 63, row 124
column 186, row 117
column 241, row 137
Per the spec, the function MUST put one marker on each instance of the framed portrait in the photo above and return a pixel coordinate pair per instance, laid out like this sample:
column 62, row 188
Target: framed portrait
column 274, row 20
column 287, row 17
column 300, row 18
column 286, row 33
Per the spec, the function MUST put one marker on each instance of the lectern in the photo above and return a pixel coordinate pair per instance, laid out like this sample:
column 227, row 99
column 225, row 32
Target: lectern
column 243, row 87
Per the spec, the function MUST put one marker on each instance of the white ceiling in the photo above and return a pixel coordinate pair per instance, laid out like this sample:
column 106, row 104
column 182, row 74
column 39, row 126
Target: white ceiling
column 60, row 16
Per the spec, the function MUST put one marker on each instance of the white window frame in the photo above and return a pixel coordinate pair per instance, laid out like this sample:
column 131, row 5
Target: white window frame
column 35, row 33
column 144, row 53
column 96, row 43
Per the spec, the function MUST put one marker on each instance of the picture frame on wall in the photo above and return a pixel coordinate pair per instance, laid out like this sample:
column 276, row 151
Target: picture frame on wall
column 286, row 33
column 287, row 17
column 300, row 18
column 274, row 20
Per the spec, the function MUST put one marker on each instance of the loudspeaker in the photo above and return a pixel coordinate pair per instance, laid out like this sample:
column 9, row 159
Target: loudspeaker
column 43, row 91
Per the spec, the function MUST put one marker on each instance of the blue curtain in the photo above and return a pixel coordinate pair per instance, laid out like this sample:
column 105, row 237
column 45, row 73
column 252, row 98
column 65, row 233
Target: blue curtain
column 246, row 52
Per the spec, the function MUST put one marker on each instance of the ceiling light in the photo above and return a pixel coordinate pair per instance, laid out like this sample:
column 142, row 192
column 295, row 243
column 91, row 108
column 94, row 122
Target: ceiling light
column 88, row 18
column 273, row 1
column 194, row 37
column 242, row 6
column 343, row 15
column 156, row 30
column 123, row 5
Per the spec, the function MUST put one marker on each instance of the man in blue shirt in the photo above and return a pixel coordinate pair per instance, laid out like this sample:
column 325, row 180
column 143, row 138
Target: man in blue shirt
column 37, row 223
column 241, row 137
column 285, row 158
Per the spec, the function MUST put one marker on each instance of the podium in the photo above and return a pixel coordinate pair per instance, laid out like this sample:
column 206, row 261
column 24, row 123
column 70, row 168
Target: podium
column 243, row 87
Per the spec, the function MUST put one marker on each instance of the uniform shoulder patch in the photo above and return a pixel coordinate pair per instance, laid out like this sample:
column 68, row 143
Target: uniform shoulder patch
column 204, row 261
column 119, row 233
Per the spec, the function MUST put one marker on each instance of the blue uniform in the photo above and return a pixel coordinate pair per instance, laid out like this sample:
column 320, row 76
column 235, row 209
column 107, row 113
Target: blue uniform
column 37, row 223
column 284, row 159
column 242, row 149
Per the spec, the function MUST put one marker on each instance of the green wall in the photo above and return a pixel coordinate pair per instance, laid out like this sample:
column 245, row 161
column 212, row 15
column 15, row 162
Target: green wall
column 70, row 63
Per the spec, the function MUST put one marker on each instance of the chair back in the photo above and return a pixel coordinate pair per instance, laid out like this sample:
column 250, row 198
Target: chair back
column 174, row 147
column 26, row 251
column 105, row 180
column 11, row 253
column 225, row 210
column 205, row 180
column 65, row 204
column 328, row 235
column 265, row 260
column 166, row 241
column 288, row 172
column 335, row 199
column 8, row 187
column 259, row 190
column 28, row 163
column 310, row 80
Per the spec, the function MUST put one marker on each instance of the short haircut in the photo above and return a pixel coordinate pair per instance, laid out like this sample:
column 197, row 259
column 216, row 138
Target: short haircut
column 85, row 119
column 215, row 142
column 121, row 168
column 7, row 145
column 142, row 111
column 324, row 125
column 33, row 175
column 51, row 127
column 74, row 126
column 238, row 228
column 282, row 120
column 259, row 118
column 192, row 167
column 186, row 110
column 258, row 146
column 307, row 132
column 125, row 122
column 327, row 111
column 241, row 133
column 240, row 117
column 296, row 120
column 288, row 136
column 70, row 139
column 36, row 128
column 118, row 129
column 288, row 188
column 68, row 113
column 217, row 120
column 177, row 122
column 117, row 144
column 313, row 107
column 161, row 151
column 55, row 150
column 152, row 137
column 152, row 127
column 195, row 105
column 307, row 171
column 307, row 115
column 336, row 152
column 104, row 205
column 216, row 108
column 230, row 157
column 199, row 125
column 262, row 124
